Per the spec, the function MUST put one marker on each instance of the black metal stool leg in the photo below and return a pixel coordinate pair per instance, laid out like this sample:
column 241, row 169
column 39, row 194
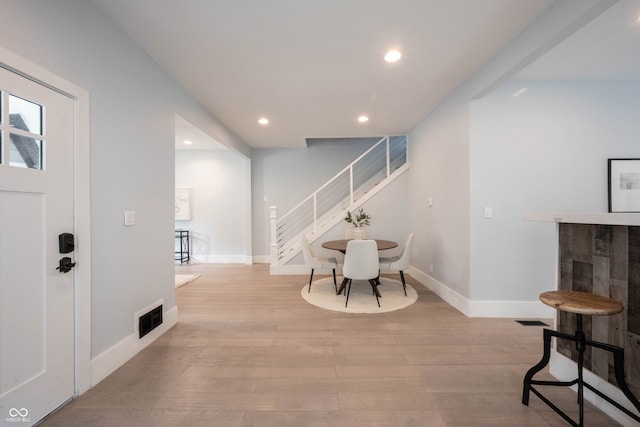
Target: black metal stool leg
column 580, row 345
column 538, row 367
column 618, row 362
column 618, row 365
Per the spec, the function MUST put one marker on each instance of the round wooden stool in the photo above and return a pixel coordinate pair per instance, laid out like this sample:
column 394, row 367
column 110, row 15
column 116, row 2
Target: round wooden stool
column 580, row 303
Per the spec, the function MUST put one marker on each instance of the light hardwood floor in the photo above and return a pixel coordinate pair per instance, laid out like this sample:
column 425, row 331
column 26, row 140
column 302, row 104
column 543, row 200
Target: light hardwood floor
column 249, row 351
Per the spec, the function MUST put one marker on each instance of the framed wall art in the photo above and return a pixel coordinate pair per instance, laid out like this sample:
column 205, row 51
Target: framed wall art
column 624, row 185
column 183, row 204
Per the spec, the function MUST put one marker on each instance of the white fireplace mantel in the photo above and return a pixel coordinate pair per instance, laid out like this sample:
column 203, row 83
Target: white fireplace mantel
column 584, row 218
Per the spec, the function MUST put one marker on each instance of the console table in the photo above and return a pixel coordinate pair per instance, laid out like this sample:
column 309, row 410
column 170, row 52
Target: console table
column 182, row 238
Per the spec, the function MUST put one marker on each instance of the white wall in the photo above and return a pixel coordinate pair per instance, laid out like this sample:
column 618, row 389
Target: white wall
column 133, row 105
column 544, row 150
column 220, row 196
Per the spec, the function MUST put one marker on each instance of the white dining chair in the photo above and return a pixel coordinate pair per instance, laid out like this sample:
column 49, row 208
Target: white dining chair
column 361, row 263
column 399, row 263
column 315, row 262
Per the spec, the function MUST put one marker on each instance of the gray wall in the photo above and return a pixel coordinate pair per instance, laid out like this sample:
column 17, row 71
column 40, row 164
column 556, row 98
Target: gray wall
column 544, row 150
column 442, row 160
column 284, row 177
column 133, row 104
column 220, row 195
column 389, row 221
column 440, row 171
column 132, row 140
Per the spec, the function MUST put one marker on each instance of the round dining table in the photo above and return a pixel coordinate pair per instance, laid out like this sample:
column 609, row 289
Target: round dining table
column 341, row 245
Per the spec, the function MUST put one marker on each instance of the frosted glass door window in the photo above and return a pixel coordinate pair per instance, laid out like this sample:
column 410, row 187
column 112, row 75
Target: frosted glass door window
column 25, row 115
column 26, row 145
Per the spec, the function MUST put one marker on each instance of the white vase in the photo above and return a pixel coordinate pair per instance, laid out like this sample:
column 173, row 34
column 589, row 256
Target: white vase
column 359, row 234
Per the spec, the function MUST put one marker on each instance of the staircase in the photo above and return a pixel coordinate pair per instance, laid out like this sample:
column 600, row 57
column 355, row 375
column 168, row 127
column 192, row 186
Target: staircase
column 328, row 205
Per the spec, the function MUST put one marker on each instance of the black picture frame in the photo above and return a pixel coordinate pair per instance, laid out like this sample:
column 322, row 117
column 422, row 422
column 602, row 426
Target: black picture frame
column 624, row 185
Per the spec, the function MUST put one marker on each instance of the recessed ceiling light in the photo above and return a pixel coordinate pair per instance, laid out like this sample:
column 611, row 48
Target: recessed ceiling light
column 187, row 142
column 519, row 92
column 263, row 121
column 363, row 119
column 392, row 56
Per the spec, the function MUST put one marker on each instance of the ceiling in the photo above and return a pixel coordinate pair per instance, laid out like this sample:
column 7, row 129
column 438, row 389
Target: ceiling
column 198, row 140
column 313, row 67
column 608, row 48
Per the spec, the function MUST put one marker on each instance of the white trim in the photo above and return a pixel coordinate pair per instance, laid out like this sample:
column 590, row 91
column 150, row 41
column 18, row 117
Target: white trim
column 565, row 369
column 82, row 205
column 221, row 259
column 472, row 308
column 510, row 309
column 262, row 259
column 450, row 296
column 84, row 284
column 111, row 359
column 620, row 218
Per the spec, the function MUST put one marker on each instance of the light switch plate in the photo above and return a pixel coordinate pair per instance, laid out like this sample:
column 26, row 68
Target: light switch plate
column 129, row 217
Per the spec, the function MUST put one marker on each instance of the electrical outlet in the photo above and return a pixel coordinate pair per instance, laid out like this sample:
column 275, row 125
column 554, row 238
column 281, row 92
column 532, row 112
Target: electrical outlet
column 430, row 202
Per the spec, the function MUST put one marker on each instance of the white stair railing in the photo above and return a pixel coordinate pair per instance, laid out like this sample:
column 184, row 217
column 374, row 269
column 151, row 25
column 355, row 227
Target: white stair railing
column 328, row 205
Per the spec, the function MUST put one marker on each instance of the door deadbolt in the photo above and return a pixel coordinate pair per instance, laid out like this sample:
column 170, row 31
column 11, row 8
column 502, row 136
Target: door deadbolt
column 66, row 243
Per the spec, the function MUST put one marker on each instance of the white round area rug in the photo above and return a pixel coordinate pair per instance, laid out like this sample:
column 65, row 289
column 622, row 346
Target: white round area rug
column 361, row 298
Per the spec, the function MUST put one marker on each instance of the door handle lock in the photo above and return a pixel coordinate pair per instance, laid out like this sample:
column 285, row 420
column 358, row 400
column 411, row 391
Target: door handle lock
column 66, row 243
column 65, row 265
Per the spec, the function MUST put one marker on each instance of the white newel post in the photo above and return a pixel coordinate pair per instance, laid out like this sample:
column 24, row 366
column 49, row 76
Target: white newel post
column 274, row 241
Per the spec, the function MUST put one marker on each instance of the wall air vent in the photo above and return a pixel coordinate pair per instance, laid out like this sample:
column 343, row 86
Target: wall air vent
column 149, row 321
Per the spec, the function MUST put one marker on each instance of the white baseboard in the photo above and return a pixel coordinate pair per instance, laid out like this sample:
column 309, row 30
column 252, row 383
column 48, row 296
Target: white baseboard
column 222, row 259
column 262, row 259
column 450, row 296
column 111, row 359
column 511, row 309
column 471, row 308
column 565, row 369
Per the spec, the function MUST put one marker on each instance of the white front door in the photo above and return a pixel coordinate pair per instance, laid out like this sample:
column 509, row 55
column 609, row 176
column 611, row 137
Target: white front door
column 36, row 205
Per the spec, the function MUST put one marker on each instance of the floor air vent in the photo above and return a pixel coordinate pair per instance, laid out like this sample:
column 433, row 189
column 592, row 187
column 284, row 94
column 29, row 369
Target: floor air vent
column 531, row 323
column 149, row 321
